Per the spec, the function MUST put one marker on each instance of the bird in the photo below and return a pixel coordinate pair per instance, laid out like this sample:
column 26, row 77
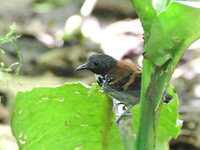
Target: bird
column 120, row 79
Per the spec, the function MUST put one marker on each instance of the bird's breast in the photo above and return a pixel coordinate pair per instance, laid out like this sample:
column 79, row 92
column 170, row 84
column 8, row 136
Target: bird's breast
column 100, row 79
column 103, row 80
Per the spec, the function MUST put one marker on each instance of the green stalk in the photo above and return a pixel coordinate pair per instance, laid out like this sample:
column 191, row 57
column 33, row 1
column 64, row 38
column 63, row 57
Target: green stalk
column 166, row 40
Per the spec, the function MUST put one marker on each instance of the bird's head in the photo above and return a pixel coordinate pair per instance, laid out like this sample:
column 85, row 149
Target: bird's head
column 98, row 64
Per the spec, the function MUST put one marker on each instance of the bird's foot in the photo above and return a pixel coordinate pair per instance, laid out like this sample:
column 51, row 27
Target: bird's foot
column 118, row 118
column 125, row 112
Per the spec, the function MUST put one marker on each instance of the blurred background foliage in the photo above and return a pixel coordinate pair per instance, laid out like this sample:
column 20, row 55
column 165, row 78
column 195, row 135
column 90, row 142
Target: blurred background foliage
column 57, row 36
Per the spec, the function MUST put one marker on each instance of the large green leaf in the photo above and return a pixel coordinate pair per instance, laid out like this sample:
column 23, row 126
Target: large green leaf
column 177, row 26
column 71, row 116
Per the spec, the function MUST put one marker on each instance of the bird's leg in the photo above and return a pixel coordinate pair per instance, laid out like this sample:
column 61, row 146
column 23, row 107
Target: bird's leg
column 125, row 113
column 121, row 110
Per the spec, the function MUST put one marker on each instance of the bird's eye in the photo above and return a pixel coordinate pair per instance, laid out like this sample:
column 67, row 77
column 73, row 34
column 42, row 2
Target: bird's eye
column 96, row 63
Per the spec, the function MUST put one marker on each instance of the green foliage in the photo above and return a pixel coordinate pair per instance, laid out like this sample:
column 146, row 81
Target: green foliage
column 169, row 29
column 10, row 38
column 71, row 116
column 75, row 116
column 173, row 30
column 169, row 125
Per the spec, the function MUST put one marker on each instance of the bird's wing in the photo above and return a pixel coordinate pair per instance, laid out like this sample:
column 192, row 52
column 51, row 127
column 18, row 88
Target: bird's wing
column 124, row 76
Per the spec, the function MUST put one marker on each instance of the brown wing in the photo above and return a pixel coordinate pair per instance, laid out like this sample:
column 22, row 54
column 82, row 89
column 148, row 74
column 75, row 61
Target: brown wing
column 124, row 75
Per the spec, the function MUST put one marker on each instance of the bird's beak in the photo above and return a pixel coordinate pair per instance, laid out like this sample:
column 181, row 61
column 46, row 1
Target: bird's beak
column 82, row 67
